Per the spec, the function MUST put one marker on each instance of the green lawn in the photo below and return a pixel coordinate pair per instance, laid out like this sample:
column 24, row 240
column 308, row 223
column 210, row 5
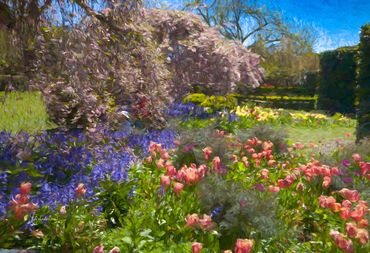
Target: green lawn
column 319, row 135
column 23, row 111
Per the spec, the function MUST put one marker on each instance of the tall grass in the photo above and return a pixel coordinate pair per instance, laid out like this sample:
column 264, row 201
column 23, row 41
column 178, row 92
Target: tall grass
column 23, row 111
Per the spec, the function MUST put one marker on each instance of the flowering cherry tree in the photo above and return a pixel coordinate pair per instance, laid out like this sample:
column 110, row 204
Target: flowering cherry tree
column 136, row 58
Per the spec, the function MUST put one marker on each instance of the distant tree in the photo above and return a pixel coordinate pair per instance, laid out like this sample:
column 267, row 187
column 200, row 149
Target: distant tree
column 286, row 45
column 249, row 21
column 286, row 64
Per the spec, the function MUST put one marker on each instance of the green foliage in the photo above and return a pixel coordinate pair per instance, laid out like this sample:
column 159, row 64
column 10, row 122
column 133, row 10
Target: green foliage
column 196, row 98
column 282, row 91
column 214, row 103
column 23, row 111
column 363, row 91
column 338, row 80
column 77, row 230
column 256, row 220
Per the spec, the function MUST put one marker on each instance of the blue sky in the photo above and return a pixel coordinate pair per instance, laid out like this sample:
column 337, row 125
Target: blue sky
column 338, row 21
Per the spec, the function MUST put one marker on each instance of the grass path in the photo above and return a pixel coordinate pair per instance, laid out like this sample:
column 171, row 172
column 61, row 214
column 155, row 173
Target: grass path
column 319, row 135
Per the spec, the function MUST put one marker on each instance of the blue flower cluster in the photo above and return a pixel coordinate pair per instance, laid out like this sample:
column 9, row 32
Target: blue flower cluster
column 56, row 162
column 188, row 110
column 142, row 141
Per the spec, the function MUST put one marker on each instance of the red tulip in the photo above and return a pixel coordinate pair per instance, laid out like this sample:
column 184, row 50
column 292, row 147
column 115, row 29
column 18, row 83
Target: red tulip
column 25, row 188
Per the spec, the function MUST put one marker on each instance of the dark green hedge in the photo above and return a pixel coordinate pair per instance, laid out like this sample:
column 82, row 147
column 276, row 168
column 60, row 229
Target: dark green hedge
column 296, row 91
column 337, row 80
column 293, row 104
column 363, row 91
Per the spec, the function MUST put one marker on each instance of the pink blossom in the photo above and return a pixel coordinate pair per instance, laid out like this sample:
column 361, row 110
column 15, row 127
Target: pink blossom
column 207, row 153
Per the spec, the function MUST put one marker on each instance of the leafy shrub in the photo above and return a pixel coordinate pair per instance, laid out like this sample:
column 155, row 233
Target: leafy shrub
column 338, row 80
column 363, row 91
column 267, row 133
column 214, row 103
column 240, row 212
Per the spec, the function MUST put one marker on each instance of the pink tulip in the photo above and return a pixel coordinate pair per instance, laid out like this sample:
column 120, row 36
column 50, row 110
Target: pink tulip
column 192, row 220
column 326, row 183
column 206, row 222
column 216, row 164
column 363, row 223
column 178, row 187
column 364, row 168
column 351, row 229
column 265, row 173
column 80, row 190
column 271, row 163
column 171, row 170
column 300, row 187
column 243, row 246
column 342, row 242
column 207, row 153
column 356, row 157
column 362, row 236
column 274, row 188
column 196, row 247
column 245, row 161
column 160, row 163
column 114, row 250
column 351, row 195
column 165, row 181
column 98, row 249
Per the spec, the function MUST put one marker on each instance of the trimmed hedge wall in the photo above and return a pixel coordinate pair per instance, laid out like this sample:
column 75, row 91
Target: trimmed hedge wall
column 363, row 92
column 296, row 91
column 337, row 80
